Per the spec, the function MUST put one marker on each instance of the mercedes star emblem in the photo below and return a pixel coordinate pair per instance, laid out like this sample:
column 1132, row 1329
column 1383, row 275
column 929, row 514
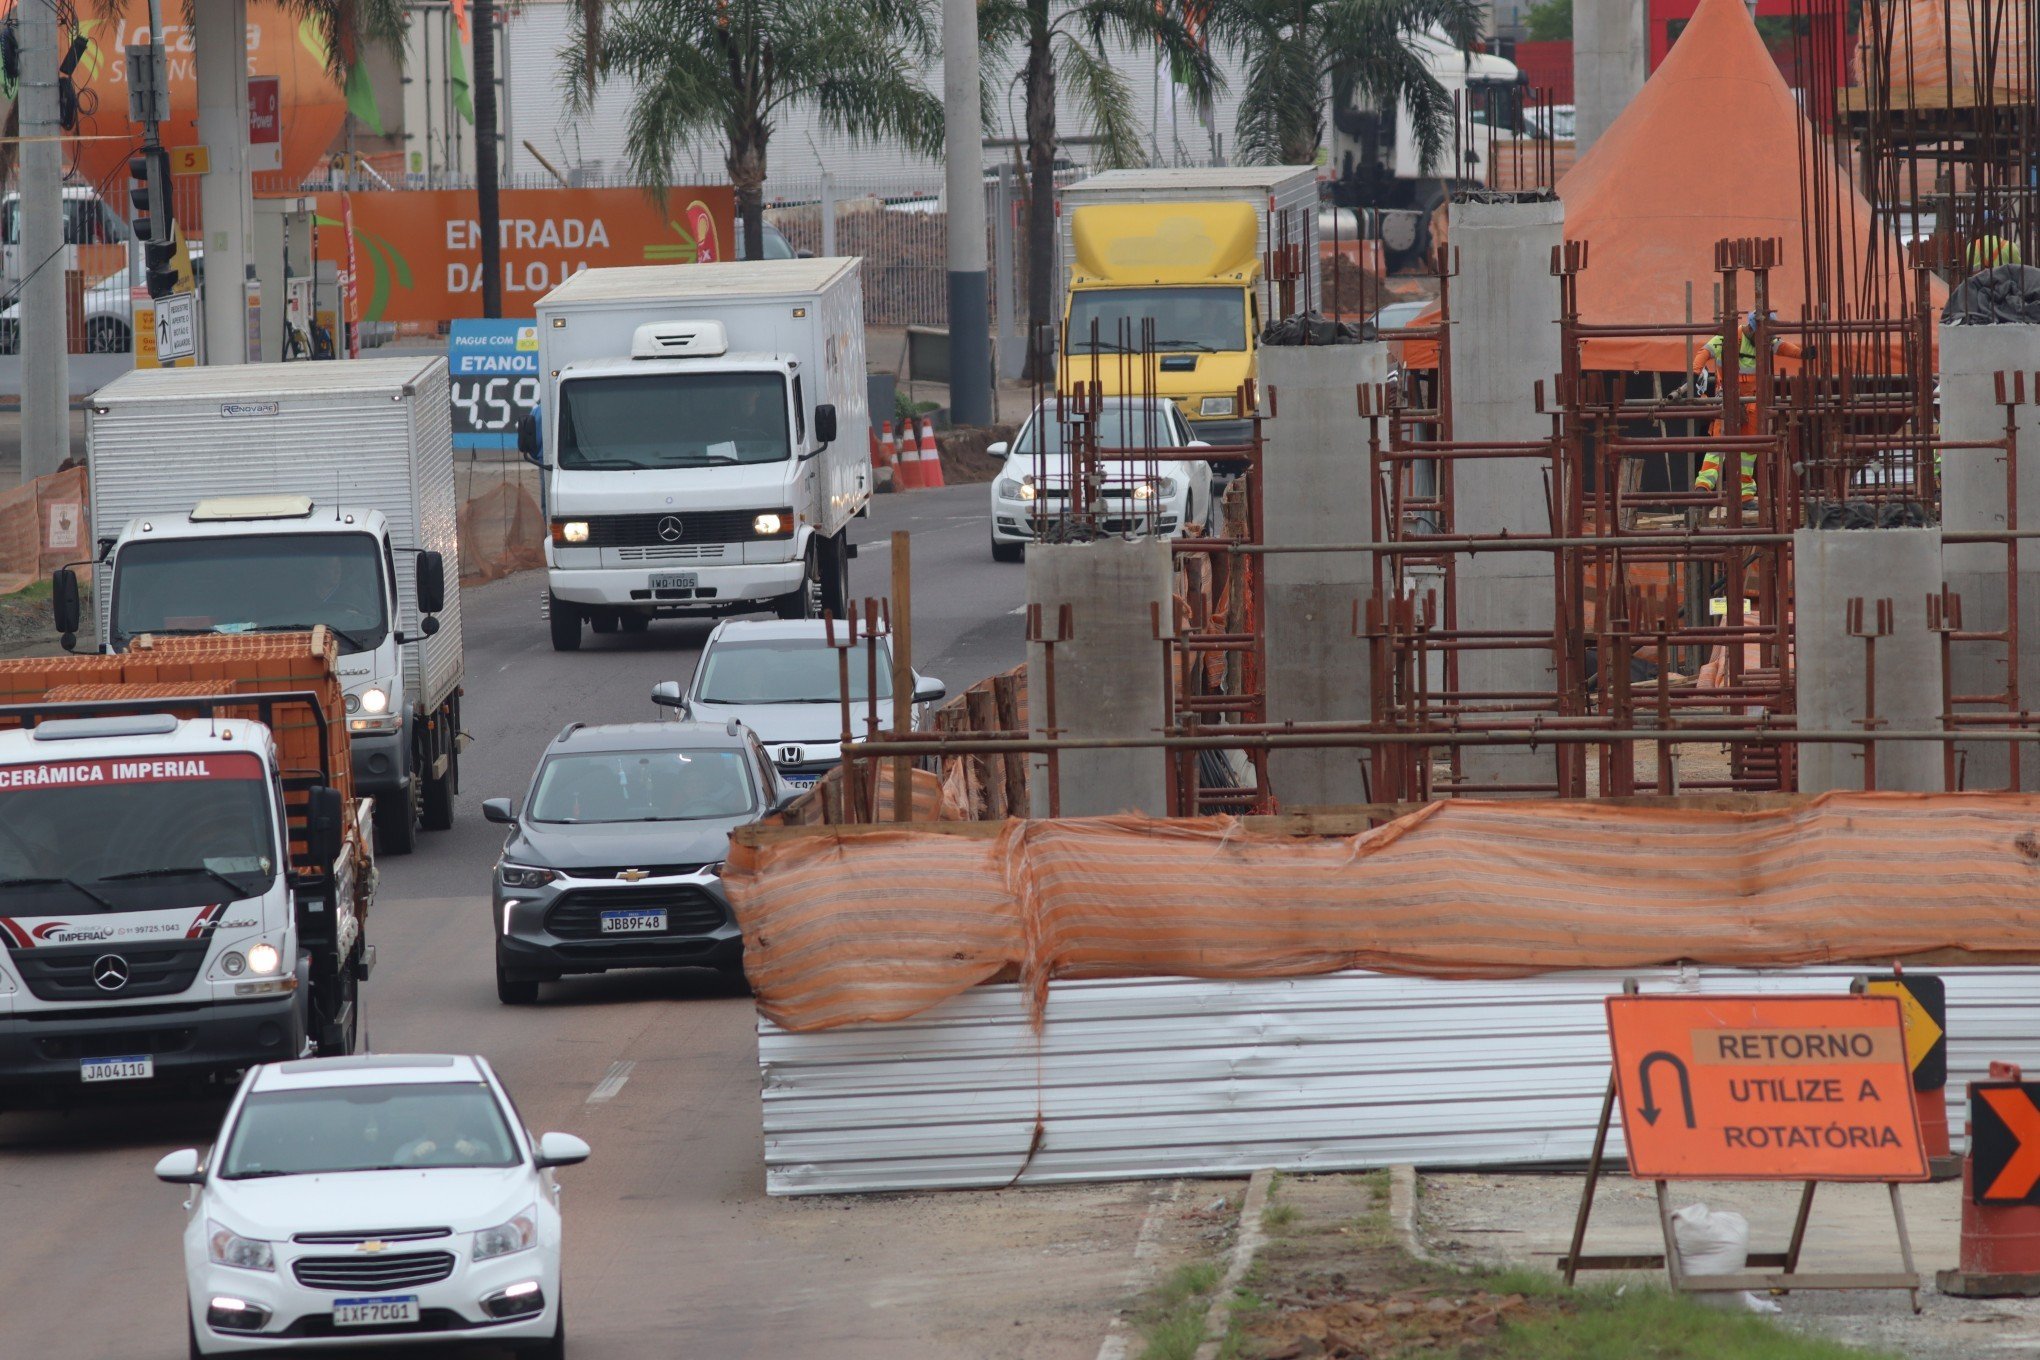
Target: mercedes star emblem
column 110, row 972
column 670, row 528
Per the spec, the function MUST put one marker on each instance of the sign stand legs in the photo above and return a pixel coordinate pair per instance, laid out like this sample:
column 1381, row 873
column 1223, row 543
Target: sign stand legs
column 1904, row 1243
column 1571, row 1263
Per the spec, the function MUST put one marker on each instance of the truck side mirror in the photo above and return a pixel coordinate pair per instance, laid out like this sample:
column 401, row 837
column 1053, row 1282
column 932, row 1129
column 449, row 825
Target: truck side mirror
column 65, row 608
column 431, row 583
column 325, row 822
column 825, row 423
column 529, row 441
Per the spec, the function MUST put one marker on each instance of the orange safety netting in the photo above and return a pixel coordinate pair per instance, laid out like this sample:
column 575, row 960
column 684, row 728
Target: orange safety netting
column 1940, row 46
column 842, row 930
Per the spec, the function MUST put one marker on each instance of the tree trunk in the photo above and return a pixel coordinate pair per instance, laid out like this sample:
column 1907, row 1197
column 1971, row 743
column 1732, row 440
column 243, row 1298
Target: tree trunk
column 746, row 164
column 488, row 208
column 1041, row 272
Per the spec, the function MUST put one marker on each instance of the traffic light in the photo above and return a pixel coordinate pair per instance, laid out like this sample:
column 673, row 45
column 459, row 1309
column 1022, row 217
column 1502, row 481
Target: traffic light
column 150, row 194
column 160, row 261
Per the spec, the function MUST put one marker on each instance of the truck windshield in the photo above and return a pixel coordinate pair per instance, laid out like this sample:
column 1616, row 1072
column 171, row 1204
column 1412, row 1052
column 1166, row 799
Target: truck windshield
column 140, row 833
column 672, row 420
column 254, row 584
column 1199, row 320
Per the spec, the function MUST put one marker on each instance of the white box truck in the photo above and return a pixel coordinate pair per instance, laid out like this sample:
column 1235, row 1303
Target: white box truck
column 704, row 440
column 1186, row 249
column 271, row 497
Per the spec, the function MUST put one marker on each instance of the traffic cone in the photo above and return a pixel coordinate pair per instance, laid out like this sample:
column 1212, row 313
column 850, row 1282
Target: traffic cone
column 906, row 462
column 2000, row 1253
column 931, row 457
column 882, row 456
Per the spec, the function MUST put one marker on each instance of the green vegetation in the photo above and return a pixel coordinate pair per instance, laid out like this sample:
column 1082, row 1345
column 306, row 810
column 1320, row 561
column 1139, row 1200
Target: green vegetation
column 1549, row 21
column 1647, row 1324
column 1172, row 1323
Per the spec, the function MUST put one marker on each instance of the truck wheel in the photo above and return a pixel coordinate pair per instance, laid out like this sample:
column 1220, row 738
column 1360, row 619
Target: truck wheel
column 602, row 621
column 635, row 622
column 437, row 810
column 343, row 1036
column 566, row 624
column 805, row 603
column 515, row 991
column 835, row 574
column 396, row 820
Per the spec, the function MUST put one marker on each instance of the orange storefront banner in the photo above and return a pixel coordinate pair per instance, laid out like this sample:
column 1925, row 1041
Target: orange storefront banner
column 420, row 250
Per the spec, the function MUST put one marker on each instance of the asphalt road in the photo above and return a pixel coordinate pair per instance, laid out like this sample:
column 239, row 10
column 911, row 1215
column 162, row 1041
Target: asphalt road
column 673, row 1247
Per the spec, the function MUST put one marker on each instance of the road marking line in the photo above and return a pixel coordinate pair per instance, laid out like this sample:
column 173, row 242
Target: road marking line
column 1021, row 610
column 612, row 1082
column 1147, row 1248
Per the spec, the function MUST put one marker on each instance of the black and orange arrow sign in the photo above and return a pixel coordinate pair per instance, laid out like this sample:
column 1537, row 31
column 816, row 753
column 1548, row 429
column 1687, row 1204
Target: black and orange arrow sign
column 2004, row 1146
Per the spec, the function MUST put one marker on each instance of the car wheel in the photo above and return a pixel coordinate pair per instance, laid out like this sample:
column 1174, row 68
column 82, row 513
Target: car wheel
column 106, row 337
column 396, row 820
column 566, row 624
column 1007, row 552
column 191, row 1333
column 602, row 621
column 555, row 1347
column 515, row 991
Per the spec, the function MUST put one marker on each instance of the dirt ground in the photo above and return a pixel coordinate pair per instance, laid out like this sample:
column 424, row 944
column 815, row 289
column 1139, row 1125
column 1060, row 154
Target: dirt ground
column 1526, row 1220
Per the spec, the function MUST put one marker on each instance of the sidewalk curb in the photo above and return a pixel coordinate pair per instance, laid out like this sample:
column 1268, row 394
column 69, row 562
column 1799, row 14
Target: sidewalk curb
column 1402, row 1215
column 1245, row 1247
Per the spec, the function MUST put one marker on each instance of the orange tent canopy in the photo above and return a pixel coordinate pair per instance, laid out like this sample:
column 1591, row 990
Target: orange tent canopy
column 1712, row 147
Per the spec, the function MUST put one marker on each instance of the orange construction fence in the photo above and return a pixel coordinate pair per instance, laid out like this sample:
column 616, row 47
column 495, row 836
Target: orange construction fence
column 845, row 929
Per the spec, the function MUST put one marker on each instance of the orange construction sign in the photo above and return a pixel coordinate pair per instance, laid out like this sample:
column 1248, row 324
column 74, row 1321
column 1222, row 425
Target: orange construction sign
column 1790, row 1088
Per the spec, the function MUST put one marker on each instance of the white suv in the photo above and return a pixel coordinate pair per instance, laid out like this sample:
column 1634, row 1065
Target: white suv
column 1163, row 500
column 373, row 1201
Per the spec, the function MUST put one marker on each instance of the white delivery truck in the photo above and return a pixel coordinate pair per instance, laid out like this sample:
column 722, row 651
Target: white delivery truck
column 704, row 440
column 270, row 498
column 179, row 900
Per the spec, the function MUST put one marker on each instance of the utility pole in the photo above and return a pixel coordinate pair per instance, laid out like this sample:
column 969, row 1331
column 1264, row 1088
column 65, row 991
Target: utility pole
column 970, row 342
column 45, row 351
column 488, row 209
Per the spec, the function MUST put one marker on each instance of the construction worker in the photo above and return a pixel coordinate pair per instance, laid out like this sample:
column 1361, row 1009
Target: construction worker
column 1706, row 374
column 1988, row 252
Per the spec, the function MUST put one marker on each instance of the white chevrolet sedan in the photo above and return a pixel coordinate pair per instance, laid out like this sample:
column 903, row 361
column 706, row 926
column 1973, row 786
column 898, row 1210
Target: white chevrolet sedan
column 1163, row 499
column 374, row 1201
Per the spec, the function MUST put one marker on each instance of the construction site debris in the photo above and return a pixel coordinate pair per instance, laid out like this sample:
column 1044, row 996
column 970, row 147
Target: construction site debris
column 2006, row 295
column 1310, row 328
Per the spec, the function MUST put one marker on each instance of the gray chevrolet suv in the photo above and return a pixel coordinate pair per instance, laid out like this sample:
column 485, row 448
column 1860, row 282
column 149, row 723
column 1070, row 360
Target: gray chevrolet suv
column 615, row 859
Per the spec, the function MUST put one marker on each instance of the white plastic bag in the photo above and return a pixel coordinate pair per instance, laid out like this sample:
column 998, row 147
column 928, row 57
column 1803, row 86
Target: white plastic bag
column 1711, row 1243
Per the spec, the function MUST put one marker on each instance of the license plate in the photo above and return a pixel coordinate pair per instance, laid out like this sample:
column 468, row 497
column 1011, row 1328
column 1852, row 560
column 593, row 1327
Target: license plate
column 118, row 1069
column 628, row 922
column 384, row 1310
column 800, row 781
column 674, row 580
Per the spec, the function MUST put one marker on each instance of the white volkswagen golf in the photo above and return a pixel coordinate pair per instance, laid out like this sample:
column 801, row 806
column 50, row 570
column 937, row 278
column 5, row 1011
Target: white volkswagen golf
column 370, row 1201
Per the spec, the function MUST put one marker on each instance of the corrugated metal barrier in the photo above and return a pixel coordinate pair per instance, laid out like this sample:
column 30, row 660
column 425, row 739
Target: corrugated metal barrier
column 1171, row 1077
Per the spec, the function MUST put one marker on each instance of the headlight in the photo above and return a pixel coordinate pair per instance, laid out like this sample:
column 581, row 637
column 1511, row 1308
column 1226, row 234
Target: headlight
column 229, row 1248
column 375, row 699
column 264, row 959
column 1215, row 406
column 524, row 876
column 767, row 524
column 1008, row 489
column 232, row 964
column 1145, row 491
column 519, row 1234
column 570, row 531
column 354, row 703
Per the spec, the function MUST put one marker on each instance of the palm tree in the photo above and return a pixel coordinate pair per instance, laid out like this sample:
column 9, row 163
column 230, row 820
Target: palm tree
column 1066, row 43
column 1297, row 50
column 734, row 66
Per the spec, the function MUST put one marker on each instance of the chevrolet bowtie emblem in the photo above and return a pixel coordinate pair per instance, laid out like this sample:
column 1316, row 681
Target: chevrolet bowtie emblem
column 373, row 1247
column 633, row 875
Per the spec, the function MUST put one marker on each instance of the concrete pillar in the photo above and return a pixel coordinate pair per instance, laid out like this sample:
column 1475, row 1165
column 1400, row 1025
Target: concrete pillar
column 1610, row 54
column 1317, row 489
column 227, row 191
column 1831, row 567
column 1504, row 341
column 46, row 378
column 1974, row 497
column 1108, row 676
